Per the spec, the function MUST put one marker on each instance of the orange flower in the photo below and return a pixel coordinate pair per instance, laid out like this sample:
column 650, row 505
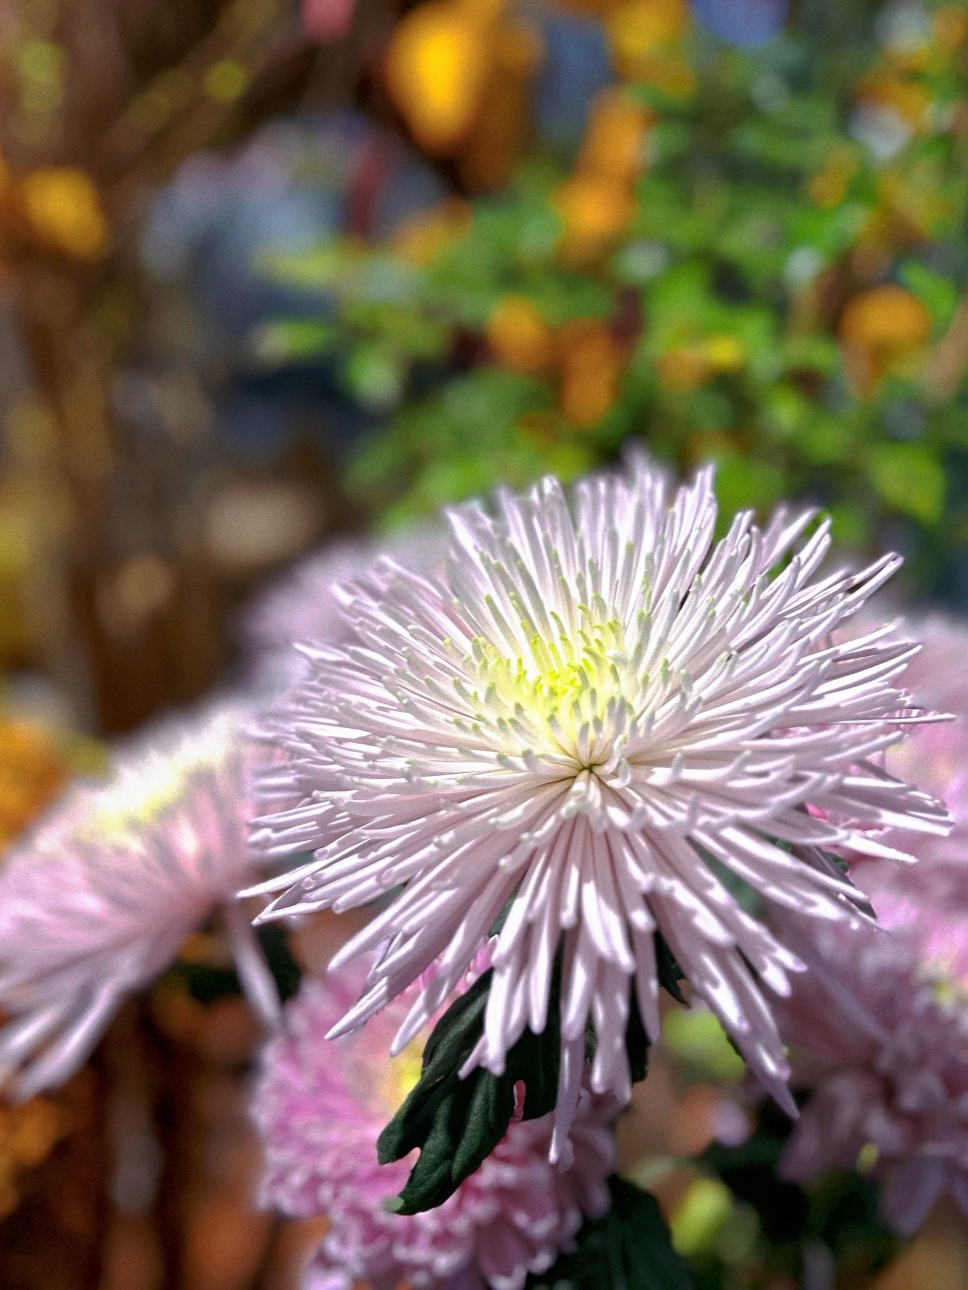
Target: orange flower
column 594, row 210
column 63, row 208
column 591, row 362
column 881, row 331
column 439, row 61
column 519, row 337
column 32, row 772
column 614, row 143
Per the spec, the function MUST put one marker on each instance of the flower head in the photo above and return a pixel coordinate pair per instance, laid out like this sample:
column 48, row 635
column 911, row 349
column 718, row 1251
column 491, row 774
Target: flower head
column 320, row 1107
column 599, row 712
column 99, row 898
column 930, row 900
column 881, row 1040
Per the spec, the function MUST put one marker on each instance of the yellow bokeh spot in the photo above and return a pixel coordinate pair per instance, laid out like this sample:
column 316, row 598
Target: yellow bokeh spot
column 641, row 33
column 437, row 66
column 32, row 772
column 724, row 353
column 226, row 81
column 64, row 209
column 614, row 142
column 519, row 337
column 592, row 360
column 594, row 209
column 881, row 331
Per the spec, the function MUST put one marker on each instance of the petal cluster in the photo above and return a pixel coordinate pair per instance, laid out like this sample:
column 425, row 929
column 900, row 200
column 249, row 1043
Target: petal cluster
column 98, row 899
column 320, row 1107
column 881, row 1041
column 623, row 725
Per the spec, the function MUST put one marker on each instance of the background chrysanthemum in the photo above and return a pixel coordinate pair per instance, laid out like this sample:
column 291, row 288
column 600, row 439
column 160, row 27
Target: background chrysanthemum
column 610, row 717
column 931, row 899
column 880, row 1039
column 320, row 1106
column 98, row 899
column 301, row 605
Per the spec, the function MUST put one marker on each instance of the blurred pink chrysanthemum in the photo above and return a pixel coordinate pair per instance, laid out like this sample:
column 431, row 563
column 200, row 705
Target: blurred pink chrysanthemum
column 602, row 713
column 881, row 1041
column 320, row 1107
column 930, row 900
column 301, row 605
column 98, row 899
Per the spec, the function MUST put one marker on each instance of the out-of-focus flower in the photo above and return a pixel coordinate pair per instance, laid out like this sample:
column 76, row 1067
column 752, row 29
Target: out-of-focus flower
column 519, row 337
column 438, row 64
column 32, row 771
column 614, row 142
column 99, row 898
column 596, row 202
column 591, row 359
column 594, row 209
column 930, row 900
column 303, row 606
column 320, row 1107
column 28, row 1134
column 882, row 330
column 63, row 208
column 599, row 713
column 882, row 1043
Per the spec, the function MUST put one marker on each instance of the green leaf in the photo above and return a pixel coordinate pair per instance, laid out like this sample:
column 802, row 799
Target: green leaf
column 936, row 290
column 456, row 1123
column 668, row 970
column 628, row 1249
column 909, row 477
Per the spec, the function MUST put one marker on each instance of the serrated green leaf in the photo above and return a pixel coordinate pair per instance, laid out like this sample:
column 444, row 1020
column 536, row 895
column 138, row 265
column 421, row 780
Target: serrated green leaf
column 456, row 1123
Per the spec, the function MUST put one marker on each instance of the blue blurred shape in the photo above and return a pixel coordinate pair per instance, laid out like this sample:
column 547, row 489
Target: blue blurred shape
column 575, row 67
column 742, row 22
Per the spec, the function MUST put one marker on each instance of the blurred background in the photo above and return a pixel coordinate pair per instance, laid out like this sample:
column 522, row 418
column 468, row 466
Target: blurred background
column 275, row 272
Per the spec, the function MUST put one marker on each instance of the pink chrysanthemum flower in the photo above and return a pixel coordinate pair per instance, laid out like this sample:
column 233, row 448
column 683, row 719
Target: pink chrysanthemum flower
column 320, row 1107
column 930, row 900
column 882, row 1042
column 604, row 714
column 98, row 899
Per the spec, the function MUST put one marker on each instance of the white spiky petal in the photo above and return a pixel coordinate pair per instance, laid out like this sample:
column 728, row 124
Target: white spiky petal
column 602, row 713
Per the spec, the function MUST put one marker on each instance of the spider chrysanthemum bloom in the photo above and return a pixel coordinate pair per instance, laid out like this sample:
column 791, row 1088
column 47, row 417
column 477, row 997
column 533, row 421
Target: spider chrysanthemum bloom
column 606, row 715
column 98, row 899
column 320, row 1107
column 880, row 1038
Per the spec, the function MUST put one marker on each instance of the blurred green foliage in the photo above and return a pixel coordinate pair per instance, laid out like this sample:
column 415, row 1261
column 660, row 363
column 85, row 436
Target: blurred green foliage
column 780, row 295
